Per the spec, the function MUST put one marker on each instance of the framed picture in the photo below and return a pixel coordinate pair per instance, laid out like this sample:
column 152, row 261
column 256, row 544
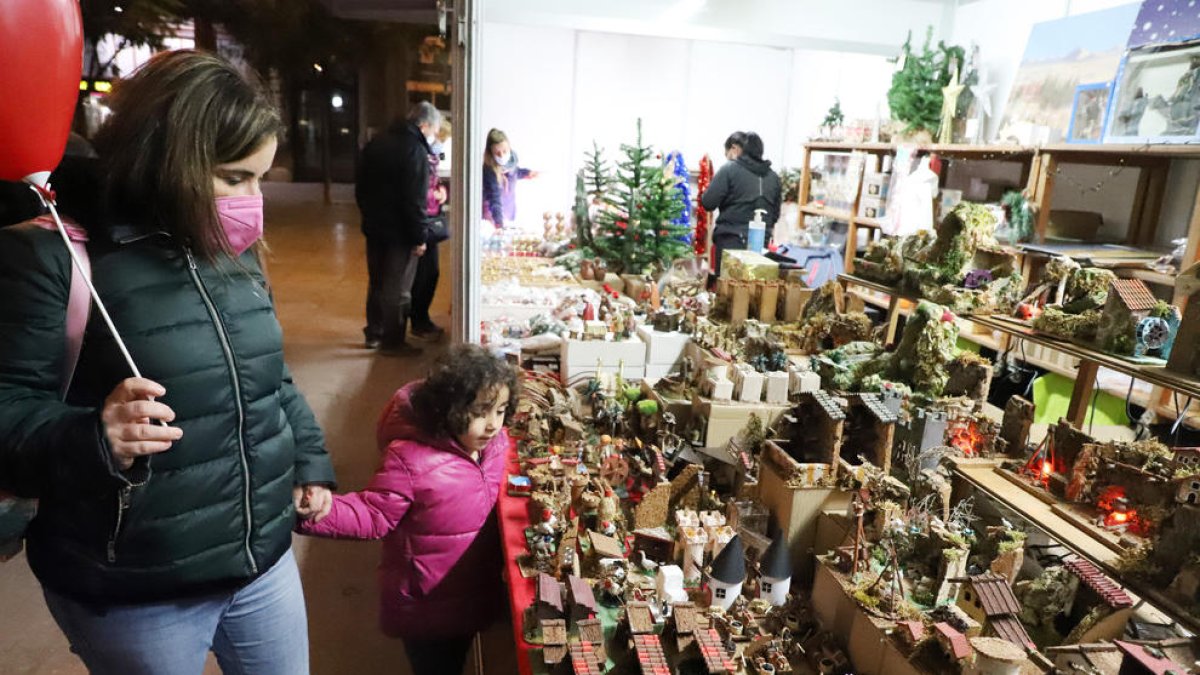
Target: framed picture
column 1157, row 98
column 1088, row 112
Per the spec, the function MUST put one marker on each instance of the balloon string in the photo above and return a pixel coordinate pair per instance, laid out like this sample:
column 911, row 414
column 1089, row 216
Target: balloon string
column 48, row 199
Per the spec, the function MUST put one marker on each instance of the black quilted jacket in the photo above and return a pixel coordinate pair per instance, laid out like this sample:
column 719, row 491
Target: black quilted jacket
column 215, row 510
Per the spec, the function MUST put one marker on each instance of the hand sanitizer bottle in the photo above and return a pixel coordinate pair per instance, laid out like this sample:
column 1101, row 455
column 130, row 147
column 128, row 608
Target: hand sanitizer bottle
column 757, row 239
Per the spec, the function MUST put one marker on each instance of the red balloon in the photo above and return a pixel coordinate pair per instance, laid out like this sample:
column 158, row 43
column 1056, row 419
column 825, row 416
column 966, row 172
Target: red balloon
column 41, row 58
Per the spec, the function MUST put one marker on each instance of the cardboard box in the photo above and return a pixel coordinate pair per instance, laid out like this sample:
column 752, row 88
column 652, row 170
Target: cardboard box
column 580, row 356
column 876, row 185
column 725, row 419
column 663, row 349
column 748, row 266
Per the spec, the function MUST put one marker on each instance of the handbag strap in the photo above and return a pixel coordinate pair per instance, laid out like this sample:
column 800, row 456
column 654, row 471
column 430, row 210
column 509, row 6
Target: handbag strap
column 79, row 303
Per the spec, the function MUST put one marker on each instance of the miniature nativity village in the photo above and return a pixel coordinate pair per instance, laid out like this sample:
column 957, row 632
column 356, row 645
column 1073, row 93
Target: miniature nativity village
column 750, row 474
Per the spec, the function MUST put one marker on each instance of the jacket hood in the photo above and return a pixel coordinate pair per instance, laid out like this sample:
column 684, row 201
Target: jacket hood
column 758, row 167
column 399, row 422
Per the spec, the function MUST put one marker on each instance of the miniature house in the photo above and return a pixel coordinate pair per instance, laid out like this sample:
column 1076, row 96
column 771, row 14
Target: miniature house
column 591, row 630
column 953, row 643
column 1129, row 301
column 583, row 601
column 716, row 659
column 548, row 604
column 1186, row 460
column 554, row 641
column 1138, row 660
column 775, row 578
column 693, row 540
column 812, row 432
column 655, row 543
column 727, row 574
column 870, row 430
column 1094, row 589
column 989, row 600
column 585, row 659
column 911, row 632
column 1188, row 490
column 993, row 656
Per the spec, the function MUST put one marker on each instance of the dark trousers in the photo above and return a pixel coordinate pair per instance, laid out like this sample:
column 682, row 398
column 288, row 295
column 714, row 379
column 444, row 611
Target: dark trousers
column 443, row 656
column 391, row 269
column 424, row 286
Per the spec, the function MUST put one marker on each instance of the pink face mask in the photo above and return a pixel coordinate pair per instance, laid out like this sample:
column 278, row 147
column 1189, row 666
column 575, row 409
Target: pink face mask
column 242, row 219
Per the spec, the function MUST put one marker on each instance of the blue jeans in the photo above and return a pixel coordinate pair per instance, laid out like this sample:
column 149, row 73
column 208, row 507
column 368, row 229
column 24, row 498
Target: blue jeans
column 260, row 629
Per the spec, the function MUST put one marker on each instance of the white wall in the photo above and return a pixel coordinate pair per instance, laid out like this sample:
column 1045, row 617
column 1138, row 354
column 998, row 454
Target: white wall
column 554, row 90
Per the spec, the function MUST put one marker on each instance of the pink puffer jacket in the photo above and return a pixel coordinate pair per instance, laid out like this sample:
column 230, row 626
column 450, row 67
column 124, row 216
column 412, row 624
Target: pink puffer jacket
column 431, row 504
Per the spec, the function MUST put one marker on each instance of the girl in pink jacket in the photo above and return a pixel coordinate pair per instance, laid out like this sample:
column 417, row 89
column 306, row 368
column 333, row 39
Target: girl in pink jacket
column 444, row 447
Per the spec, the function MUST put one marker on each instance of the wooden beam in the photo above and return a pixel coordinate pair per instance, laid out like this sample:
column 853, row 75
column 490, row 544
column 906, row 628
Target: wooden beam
column 1081, row 396
column 1043, row 195
column 1192, row 254
column 893, row 319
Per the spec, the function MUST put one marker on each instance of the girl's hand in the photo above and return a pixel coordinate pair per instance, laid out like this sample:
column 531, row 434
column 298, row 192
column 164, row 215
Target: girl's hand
column 129, row 416
column 533, row 174
column 313, row 502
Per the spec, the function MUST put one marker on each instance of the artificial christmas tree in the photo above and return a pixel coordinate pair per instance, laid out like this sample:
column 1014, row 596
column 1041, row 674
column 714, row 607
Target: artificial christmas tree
column 636, row 229
column 916, row 94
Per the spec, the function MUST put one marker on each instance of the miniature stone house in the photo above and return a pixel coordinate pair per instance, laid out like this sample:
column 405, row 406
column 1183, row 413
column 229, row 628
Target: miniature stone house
column 727, row 574
column 812, row 432
column 1187, row 460
column 869, row 432
column 1188, row 490
column 989, row 600
column 1129, row 301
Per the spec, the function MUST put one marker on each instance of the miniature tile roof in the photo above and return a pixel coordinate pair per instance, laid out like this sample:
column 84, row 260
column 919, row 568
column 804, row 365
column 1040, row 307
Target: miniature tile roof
column 684, row 616
column 995, row 595
column 776, row 560
column 554, row 632
column 959, row 647
column 830, row 406
column 1112, row 594
column 913, row 630
column 1152, row 663
column 585, row 659
column 549, row 591
column 659, row 533
column 650, row 655
column 641, row 619
column 1009, row 627
column 605, row 546
column 1134, row 294
column 730, row 564
column 716, row 659
column 581, row 593
column 591, row 630
column 877, row 408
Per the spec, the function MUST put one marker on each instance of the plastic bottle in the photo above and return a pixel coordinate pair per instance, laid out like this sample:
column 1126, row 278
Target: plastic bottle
column 757, row 239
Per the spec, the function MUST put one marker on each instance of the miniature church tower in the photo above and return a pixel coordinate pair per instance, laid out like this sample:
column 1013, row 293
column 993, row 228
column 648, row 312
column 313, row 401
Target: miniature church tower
column 727, row 573
column 775, row 579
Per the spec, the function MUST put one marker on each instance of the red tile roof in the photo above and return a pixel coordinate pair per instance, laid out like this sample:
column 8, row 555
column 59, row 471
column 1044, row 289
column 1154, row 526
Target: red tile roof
column 1134, row 294
column 959, row 647
column 716, row 660
column 1009, row 627
column 914, row 630
column 650, row 655
column 1112, row 594
column 995, row 595
column 585, row 660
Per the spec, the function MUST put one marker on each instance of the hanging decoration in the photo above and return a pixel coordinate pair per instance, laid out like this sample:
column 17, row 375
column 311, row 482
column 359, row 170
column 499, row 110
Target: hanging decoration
column 700, row 238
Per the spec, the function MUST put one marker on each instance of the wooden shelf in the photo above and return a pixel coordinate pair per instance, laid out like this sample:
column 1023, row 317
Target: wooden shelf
column 1016, row 152
column 1149, row 276
column 843, row 216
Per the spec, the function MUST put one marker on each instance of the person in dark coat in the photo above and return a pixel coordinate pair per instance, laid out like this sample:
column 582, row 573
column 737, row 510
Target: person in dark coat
column 737, row 189
column 391, row 188
column 166, row 501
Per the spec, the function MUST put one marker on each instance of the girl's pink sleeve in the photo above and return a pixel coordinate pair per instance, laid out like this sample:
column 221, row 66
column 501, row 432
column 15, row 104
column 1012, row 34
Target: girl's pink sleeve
column 372, row 512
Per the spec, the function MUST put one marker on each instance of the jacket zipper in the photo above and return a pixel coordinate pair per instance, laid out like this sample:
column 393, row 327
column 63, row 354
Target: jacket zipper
column 122, row 505
column 237, row 399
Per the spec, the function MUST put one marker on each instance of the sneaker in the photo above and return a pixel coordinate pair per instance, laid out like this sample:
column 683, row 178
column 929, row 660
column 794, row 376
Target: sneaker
column 430, row 332
column 372, row 343
column 401, row 349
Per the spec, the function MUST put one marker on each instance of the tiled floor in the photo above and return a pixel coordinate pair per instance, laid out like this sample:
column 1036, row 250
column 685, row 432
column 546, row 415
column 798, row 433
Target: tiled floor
column 319, row 279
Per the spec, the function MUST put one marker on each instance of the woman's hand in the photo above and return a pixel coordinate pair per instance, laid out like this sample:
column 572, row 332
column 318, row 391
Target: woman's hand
column 129, row 418
column 313, row 502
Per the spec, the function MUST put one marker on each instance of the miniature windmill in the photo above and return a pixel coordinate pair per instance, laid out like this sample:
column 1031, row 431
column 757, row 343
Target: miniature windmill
column 727, row 573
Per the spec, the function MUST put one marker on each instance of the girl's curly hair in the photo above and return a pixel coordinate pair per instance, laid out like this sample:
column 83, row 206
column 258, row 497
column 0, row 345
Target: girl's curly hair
column 446, row 399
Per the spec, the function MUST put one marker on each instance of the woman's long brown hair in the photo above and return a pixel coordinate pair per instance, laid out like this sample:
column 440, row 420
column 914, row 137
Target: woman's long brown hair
column 173, row 122
column 495, row 137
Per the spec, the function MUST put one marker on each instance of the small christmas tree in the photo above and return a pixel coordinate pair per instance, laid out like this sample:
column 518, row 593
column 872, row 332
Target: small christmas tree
column 636, row 231
column 834, row 117
column 916, row 94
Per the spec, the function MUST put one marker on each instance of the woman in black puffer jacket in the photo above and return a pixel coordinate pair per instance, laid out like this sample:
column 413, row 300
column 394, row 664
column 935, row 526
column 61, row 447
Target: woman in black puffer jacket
column 154, row 542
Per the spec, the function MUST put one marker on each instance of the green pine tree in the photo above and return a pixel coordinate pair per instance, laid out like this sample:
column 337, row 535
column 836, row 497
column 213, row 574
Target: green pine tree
column 834, row 117
column 634, row 232
column 916, row 94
